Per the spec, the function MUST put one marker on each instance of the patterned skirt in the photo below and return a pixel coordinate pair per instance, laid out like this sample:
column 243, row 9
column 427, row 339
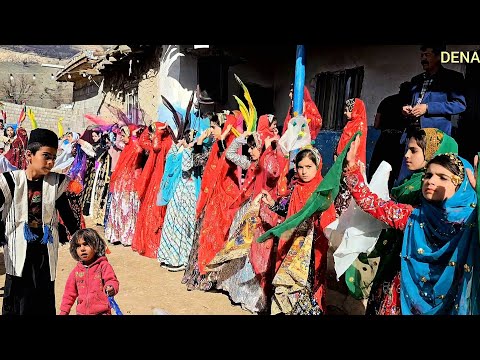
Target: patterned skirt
column 192, row 277
column 179, row 226
column 122, row 217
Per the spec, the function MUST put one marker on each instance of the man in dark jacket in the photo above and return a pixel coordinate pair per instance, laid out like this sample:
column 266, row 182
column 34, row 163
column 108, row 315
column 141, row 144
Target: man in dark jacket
column 437, row 94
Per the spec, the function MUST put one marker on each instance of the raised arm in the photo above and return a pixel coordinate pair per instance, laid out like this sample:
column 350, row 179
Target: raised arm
column 389, row 212
column 233, row 156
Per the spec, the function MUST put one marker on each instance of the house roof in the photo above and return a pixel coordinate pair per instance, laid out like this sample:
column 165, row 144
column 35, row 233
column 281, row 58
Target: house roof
column 87, row 63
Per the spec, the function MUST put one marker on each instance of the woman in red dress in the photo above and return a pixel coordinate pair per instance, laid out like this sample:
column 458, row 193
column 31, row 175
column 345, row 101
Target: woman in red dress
column 148, row 228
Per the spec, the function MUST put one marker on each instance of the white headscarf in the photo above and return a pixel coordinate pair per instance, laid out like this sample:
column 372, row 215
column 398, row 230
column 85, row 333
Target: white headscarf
column 65, row 159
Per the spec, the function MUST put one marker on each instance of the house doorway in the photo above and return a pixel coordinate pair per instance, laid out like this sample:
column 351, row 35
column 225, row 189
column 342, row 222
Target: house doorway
column 262, row 98
column 466, row 135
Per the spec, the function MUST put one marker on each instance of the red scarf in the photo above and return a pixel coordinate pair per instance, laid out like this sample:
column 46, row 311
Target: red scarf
column 125, row 173
column 299, row 197
column 213, row 168
column 358, row 122
column 310, row 112
column 263, row 128
column 16, row 154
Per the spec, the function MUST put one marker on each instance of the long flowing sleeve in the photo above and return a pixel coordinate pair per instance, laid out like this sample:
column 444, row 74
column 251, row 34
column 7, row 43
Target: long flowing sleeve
column 389, row 212
column 200, row 157
column 231, row 154
column 66, row 213
column 187, row 160
column 88, row 149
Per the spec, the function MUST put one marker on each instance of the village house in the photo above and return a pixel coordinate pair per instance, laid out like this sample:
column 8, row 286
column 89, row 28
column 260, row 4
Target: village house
column 130, row 76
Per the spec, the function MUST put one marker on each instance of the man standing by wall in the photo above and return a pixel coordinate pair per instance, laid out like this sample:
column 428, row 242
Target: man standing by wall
column 437, row 94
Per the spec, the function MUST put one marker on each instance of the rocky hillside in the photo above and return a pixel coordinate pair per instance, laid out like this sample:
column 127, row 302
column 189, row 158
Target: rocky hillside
column 52, row 54
column 22, row 73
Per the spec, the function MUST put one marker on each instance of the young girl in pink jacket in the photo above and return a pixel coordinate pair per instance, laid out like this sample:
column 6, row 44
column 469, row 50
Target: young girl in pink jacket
column 92, row 279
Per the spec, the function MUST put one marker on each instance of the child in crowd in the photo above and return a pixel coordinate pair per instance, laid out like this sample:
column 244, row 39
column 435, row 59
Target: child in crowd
column 29, row 227
column 92, row 280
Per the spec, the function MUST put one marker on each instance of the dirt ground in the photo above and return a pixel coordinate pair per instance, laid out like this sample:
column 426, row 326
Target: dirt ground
column 144, row 286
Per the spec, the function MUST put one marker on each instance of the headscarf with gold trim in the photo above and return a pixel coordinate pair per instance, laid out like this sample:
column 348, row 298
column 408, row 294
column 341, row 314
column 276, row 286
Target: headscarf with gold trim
column 437, row 142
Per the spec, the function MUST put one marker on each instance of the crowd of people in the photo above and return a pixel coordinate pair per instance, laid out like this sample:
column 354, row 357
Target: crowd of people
column 214, row 195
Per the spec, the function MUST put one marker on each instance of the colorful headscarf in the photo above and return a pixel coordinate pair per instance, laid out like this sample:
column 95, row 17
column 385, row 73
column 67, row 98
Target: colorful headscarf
column 263, row 127
column 127, row 164
column 173, row 164
column 349, row 104
column 320, row 200
column 358, row 122
column 65, row 159
column 437, row 142
column 441, row 255
column 16, row 154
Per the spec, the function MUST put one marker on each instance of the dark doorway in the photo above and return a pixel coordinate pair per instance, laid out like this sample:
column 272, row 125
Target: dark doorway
column 262, row 98
column 466, row 135
column 331, row 91
column 212, row 77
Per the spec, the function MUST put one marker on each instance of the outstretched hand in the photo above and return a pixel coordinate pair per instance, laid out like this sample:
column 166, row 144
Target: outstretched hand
column 267, row 198
column 352, row 152
column 471, row 176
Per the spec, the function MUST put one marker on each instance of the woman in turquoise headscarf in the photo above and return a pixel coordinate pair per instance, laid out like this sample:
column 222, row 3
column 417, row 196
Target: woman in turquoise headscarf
column 440, row 248
column 179, row 191
column 382, row 292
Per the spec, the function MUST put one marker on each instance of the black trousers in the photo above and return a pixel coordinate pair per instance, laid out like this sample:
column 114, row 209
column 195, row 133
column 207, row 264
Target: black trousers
column 33, row 293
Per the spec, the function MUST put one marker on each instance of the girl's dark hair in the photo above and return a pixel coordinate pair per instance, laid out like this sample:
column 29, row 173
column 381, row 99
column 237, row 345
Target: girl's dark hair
column 14, row 132
column 208, row 114
column 214, row 119
column 189, row 135
column 419, row 135
column 251, row 141
column 306, row 153
column 92, row 238
column 450, row 162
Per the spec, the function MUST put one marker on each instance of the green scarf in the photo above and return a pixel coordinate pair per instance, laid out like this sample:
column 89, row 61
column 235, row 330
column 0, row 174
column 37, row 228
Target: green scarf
column 320, row 200
column 410, row 190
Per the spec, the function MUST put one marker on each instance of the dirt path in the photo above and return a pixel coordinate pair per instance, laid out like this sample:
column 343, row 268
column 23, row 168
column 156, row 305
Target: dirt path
column 144, row 286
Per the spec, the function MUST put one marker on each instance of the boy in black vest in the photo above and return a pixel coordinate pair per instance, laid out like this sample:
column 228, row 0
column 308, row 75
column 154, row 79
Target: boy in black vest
column 30, row 200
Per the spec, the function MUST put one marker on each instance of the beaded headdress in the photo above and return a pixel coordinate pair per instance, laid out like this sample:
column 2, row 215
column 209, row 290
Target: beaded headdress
column 349, row 104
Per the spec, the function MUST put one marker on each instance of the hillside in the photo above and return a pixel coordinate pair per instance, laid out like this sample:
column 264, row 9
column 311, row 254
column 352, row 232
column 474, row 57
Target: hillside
column 21, row 67
column 52, row 54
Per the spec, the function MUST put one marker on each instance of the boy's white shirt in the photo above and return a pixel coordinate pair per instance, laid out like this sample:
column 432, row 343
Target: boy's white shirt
column 15, row 215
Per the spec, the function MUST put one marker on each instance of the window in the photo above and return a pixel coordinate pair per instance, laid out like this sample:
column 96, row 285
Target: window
column 331, row 91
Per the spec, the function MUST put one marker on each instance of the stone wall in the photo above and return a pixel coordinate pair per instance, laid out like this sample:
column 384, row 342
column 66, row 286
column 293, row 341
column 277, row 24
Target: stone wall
column 47, row 118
